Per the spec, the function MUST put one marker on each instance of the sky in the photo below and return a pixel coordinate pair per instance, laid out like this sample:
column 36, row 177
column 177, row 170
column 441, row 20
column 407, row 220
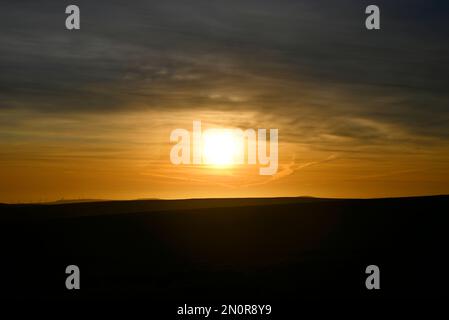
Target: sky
column 87, row 114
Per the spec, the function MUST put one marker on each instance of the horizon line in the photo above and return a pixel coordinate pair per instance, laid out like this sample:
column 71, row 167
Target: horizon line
column 87, row 200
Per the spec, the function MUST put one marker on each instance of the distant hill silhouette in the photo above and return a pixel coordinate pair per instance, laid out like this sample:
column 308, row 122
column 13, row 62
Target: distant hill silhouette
column 106, row 207
column 227, row 249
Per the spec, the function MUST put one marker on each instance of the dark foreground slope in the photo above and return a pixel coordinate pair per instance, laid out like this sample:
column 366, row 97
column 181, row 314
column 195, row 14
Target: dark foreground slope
column 222, row 250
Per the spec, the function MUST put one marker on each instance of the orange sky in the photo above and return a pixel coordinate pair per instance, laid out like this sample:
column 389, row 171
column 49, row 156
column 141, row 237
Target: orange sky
column 126, row 156
column 88, row 113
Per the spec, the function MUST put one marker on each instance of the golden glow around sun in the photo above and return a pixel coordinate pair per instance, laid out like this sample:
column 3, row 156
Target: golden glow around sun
column 221, row 147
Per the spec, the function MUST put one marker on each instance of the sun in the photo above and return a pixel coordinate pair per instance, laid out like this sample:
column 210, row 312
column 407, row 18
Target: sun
column 221, row 147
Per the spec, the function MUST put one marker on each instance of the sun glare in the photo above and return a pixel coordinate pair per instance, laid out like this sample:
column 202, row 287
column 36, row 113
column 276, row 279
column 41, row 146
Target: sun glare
column 220, row 147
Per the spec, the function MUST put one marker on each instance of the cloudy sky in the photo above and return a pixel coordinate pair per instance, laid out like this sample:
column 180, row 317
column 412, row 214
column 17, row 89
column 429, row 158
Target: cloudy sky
column 88, row 113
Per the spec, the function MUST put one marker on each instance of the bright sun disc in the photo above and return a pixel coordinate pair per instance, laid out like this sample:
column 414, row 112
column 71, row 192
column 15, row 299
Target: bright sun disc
column 220, row 147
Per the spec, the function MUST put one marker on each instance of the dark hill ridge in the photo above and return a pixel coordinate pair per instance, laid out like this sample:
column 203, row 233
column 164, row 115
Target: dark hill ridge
column 69, row 208
column 93, row 208
column 224, row 249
